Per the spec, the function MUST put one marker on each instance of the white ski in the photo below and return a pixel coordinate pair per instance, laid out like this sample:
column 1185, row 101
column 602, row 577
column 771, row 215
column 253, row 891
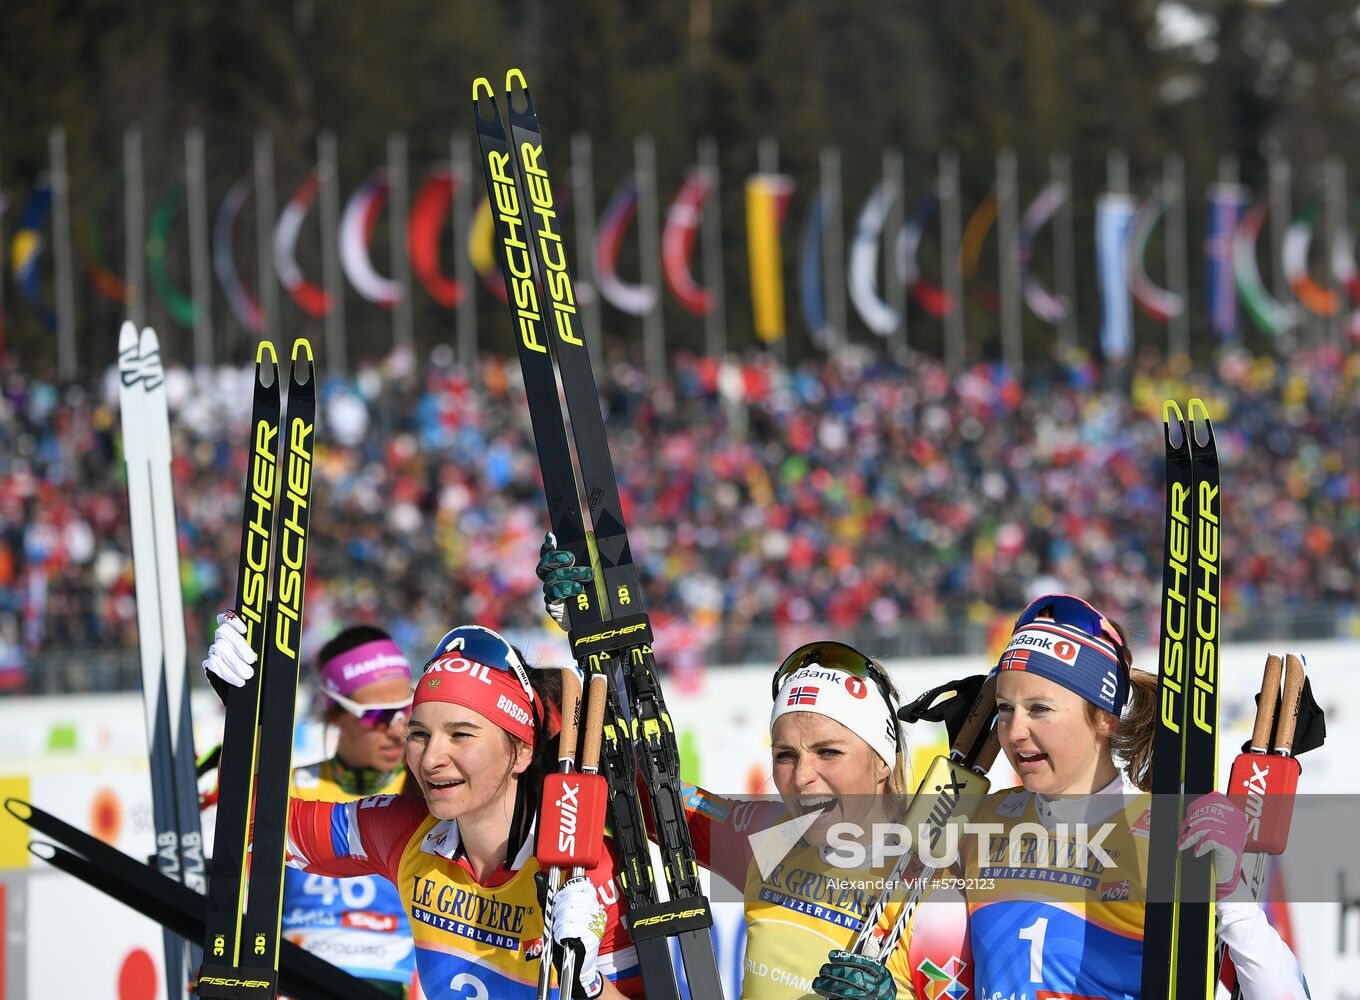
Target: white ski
column 160, row 628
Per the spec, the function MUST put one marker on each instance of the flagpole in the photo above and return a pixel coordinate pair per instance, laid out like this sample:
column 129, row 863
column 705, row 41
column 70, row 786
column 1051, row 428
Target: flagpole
column 649, row 238
column 265, row 217
column 1007, row 227
column 61, row 245
column 710, row 233
column 460, row 161
column 134, row 226
column 583, row 199
column 1064, row 253
column 951, row 227
column 199, row 281
column 1177, row 252
column 894, row 288
column 329, row 176
column 1334, row 218
column 833, row 254
column 398, row 207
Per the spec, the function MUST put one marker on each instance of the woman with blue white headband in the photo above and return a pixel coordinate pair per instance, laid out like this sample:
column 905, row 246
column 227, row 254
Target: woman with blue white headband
column 1047, row 911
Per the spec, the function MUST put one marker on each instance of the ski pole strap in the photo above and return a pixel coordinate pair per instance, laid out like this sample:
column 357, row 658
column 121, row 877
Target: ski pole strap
column 669, row 918
column 619, row 633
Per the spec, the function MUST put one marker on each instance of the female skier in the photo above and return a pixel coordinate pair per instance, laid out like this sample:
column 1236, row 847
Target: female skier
column 480, row 738
column 837, row 751
column 1045, row 912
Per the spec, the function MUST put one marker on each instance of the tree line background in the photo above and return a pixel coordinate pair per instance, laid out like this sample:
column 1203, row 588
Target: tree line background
column 1253, row 79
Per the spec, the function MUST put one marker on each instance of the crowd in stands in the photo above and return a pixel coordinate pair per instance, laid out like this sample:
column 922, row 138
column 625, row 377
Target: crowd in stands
column 854, row 498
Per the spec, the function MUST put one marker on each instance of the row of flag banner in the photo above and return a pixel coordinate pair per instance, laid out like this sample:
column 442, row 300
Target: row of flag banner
column 441, row 236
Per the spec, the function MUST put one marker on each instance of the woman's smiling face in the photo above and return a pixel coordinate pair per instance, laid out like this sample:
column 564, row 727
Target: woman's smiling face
column 1048, row 738
column 819, row 763
column 462, row 762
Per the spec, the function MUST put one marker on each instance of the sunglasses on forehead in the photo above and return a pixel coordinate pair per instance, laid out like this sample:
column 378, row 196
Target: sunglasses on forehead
column 374, row 716
column 834, row 656
column 490, row 649
column 1073, row 611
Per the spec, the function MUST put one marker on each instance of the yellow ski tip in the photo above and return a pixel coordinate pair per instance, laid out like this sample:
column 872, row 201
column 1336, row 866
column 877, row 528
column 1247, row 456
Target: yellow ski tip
column 1169, row 407
column 263, row 347
column 511, row 75
column 480, row 84
column 300, row 345
column 1197, row 408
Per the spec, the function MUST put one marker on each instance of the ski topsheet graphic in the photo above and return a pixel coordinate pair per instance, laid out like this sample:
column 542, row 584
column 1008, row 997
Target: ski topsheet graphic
column 1178, row 938
column 610, row 633
column 160, row 629
column 241, row 941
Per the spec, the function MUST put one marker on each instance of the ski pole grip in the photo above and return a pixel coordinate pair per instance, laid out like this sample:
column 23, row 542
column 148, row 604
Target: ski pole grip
column 571, row 718
column 978, row 718
column 595, row 705
column 1294, row 676
column 1266, row 705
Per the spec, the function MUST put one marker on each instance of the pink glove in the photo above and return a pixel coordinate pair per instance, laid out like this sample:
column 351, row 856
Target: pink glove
column 1213, row 823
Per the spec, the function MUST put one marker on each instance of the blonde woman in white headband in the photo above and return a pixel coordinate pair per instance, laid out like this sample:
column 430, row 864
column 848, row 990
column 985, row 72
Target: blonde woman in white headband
column 837, row 752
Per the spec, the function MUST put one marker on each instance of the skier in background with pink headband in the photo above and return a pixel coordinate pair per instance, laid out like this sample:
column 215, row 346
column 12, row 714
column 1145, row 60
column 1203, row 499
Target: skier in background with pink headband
column 358, row 924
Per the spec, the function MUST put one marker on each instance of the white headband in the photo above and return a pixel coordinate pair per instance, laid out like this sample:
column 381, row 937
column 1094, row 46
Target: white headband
column 852, row 701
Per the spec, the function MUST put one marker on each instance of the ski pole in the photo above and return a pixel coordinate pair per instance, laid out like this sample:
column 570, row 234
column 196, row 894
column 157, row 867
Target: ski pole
column 566, row 764
column 590, row 765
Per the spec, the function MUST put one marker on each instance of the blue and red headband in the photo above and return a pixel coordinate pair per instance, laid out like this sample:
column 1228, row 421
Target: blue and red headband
column 1065, row 640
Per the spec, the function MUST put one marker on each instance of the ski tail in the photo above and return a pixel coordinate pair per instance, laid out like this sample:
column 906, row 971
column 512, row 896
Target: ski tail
column 1160, row 920
column 609, row 632
column 173, row 643
column 135, row 416
column 227, row 885
column 282, row 662
column 629, row 632
column 1194, row 951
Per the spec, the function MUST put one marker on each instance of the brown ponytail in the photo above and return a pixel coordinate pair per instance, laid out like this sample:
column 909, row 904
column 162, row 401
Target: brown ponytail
column 1132, row 741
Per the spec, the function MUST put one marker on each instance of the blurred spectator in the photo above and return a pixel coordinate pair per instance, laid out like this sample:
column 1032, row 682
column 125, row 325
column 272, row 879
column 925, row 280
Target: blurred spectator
column 855, row 496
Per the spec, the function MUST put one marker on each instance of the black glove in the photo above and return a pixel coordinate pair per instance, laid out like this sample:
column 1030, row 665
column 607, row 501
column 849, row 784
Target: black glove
column 1311, row 729
column 951, row 710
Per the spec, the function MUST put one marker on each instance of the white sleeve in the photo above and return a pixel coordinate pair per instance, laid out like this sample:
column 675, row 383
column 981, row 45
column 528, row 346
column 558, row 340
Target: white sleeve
column 1266, row 967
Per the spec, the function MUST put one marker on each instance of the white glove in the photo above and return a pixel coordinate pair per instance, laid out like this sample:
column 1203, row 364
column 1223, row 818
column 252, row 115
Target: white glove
column 578, row 922
column 230, row 657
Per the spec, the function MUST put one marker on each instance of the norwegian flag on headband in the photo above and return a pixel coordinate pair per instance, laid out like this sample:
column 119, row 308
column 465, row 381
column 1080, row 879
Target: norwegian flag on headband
column 1014, row 659
column 805, row 695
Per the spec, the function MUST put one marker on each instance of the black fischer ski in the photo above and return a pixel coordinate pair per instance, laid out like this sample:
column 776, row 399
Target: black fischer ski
column 1178, row 932
column 160, row 626
column 609, row 630
column 1194, row 954
column 302, row 975
column 241, row 942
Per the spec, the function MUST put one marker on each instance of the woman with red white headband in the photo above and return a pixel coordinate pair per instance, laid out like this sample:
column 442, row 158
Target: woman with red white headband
column 1045, row 914
column 481, row 735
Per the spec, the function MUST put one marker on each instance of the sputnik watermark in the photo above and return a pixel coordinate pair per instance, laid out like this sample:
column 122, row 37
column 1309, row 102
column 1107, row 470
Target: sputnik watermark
column 851, row 846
